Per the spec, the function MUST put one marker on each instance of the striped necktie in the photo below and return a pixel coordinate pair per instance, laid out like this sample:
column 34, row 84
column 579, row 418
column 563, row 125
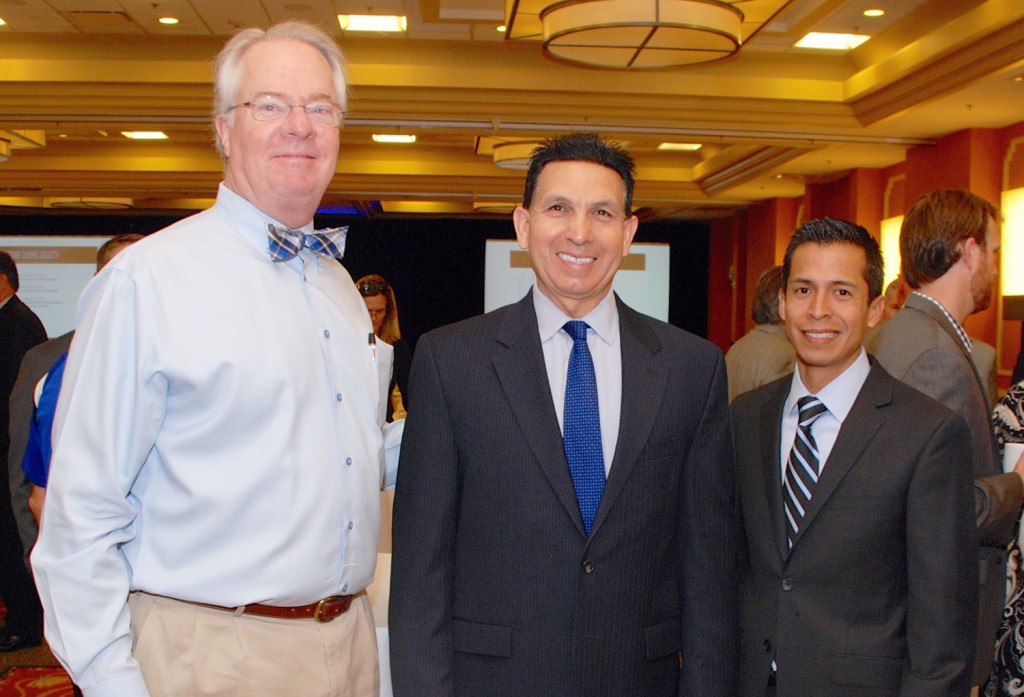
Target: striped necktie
column 284, row 243
column 581, row 431
column 803, row 466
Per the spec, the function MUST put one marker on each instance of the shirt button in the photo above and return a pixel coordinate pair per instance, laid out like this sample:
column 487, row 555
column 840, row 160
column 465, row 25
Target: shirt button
column 348, row 461
column 338, row 396
column 767, row 646
column 350, row 525
column 344, row 589
column 588, row 566
column 327, row 334
column 787, row 584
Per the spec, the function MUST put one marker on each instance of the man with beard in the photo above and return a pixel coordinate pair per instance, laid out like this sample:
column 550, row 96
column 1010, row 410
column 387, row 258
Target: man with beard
column 949, row 245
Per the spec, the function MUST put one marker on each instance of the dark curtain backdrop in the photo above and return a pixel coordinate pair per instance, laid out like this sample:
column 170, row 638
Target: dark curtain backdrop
column 435, row 265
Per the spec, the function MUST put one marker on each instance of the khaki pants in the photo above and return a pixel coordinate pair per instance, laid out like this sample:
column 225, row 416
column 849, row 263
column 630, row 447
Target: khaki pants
column 188, row 650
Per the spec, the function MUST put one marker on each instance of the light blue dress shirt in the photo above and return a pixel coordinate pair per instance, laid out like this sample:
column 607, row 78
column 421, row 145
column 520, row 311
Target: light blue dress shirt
column 218, row 438
column 606, row 350
column 838, row 397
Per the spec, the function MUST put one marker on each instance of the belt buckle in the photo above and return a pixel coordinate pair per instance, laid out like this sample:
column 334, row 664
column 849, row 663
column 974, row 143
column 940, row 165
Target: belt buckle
column 329, row 608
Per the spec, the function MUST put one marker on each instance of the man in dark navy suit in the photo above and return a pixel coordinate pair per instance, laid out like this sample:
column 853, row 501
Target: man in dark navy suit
column 514, row 572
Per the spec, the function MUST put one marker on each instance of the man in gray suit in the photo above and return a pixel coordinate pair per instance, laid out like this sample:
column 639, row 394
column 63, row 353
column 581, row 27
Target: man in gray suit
column 949, row 244
column 860, row 574
column 34, row 367
column 513, row 573
column 764, row 353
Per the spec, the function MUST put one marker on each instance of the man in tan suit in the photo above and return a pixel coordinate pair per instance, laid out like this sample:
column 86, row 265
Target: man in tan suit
column 764, row 353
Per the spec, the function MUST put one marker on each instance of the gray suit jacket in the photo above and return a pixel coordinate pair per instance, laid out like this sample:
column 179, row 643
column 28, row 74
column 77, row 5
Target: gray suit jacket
column 497, row 590
column 760, row 356
column 984, row 357
column 920, row 347
column 37, row 363
column 877, row 594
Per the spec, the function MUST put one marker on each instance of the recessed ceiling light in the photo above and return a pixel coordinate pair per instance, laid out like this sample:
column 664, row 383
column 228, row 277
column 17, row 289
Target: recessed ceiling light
column 372, row 22
column 874, row 12
column 145, row 135
column 392, row 138
column 687, row 147
column 502, row 28
column 2, row 22
column 1019, row 78
column 168, row 20
column 832, row 42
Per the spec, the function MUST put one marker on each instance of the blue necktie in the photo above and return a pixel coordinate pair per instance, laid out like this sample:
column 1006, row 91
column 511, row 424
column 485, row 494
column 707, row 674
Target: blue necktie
column 803, row 466
column 582, row 425
column 284, row 243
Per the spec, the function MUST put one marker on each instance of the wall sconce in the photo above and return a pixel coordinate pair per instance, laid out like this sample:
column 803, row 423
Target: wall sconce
column 890, row 243
column 1011, row 276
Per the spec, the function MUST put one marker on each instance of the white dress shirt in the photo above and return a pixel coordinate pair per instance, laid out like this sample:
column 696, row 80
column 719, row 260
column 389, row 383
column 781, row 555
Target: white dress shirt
column 838, row 397
column 606, row 351
column 217, row 439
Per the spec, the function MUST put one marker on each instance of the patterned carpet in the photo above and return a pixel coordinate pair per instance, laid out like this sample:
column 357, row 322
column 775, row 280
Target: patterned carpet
column 35, row 682
column 32, row 672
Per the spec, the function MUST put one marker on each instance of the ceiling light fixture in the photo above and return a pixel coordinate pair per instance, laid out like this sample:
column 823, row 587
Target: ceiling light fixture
column 168, row 20
column 392, row 138
column 514, row 155
column 684, row 147
column 874, row 12
column 2, row 22
column 99, row 203
column 390, row 23
column 641, row 33
column 501, row 28
column 145, row 135
column 831, row 42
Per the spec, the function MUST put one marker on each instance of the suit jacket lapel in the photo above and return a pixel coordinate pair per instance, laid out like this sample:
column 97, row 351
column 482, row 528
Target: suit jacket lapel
column 519, row 363
column 859, row 427
column 642, row 374
column 769, row 425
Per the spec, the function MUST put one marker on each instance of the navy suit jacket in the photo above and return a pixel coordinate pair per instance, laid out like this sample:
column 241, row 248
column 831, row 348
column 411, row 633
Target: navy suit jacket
column 497, row 590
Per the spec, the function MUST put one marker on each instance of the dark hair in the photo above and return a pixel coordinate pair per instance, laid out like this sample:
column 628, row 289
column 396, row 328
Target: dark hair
column 9, row 269
column 933, row 228
column 826, row 231
column 765, row 305
column 581, row 147
column 112, row 246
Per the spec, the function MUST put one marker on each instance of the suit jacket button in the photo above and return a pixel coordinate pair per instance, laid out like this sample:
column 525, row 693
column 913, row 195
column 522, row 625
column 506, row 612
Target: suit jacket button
column 588, row 566
column 787, row 584
column 767, row 646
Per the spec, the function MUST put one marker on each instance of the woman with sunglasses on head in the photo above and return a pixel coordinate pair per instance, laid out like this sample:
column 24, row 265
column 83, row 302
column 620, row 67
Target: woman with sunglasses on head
column 380, row 301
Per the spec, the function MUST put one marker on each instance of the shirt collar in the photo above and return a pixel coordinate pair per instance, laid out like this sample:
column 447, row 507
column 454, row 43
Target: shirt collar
column 246, row 219
column 839, row 395
column 603, row 319
column 964, row 339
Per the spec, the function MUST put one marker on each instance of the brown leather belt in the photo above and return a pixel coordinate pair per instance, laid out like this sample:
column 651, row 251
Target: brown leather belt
column 322, row 611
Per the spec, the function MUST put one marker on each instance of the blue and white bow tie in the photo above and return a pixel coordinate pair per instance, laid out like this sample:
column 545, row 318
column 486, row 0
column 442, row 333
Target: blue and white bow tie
column 284, row 243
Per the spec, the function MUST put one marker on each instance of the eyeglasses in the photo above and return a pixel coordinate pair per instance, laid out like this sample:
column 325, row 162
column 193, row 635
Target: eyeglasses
column 272, row 109
column 372, row 287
